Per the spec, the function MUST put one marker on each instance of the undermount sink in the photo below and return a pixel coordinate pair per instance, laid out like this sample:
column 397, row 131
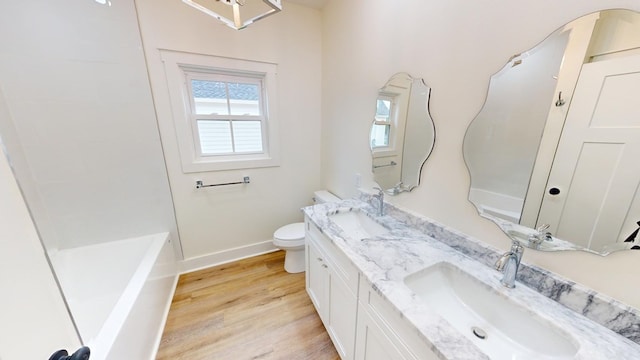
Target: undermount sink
column 357, row 225
column 501, row 328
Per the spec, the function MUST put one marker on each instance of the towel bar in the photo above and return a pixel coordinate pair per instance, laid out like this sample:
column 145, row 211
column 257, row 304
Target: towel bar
column 392, row 163
column 200, row 184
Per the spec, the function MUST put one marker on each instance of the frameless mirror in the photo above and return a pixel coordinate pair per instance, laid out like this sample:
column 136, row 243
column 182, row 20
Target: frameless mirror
column 402, row 134
column 553, row 153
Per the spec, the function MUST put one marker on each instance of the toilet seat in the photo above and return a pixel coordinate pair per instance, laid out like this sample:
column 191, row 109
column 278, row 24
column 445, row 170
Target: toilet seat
column 288, row 236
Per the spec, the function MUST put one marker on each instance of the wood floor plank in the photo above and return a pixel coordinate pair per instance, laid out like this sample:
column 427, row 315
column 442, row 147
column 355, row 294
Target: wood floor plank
column 248, row 309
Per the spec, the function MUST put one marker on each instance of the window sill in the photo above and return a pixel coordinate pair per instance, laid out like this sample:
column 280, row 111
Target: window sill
column 250, row 162
column 383, row 152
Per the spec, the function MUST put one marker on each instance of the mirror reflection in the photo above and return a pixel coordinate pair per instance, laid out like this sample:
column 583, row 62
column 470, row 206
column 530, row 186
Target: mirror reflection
column 402, row 134
column 553, row 152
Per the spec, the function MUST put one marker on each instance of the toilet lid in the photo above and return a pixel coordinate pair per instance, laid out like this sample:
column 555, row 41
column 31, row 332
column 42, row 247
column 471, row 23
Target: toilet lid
column 290, row 232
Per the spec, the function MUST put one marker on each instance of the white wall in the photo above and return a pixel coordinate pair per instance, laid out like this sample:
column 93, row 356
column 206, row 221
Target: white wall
column 76, row 85
column 35, row 322
column 514, row 117
column 214, row 222
column 625, row 26
column 455, row 46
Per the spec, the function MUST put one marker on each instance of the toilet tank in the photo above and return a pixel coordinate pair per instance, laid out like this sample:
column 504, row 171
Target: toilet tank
column 324, row 196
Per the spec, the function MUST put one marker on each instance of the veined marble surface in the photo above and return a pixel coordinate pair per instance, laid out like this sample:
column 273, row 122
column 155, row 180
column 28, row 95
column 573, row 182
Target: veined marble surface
column 602, row 309
column 414, row 243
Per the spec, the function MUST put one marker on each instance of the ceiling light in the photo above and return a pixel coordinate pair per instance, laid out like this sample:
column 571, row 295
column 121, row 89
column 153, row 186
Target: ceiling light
column 237, row 14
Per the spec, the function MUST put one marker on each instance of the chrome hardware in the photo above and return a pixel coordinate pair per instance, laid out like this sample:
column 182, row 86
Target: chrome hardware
column 479, row 333
column 400, row 188
column 397, row 189
column 380, row 197
column 560, row 101
column 200, row 184
column 508, row 264
column 542, row 228
column 391, row 163
column 539, row 236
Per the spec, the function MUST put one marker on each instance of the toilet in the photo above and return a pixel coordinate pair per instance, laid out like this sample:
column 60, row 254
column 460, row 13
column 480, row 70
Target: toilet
column 290, row 238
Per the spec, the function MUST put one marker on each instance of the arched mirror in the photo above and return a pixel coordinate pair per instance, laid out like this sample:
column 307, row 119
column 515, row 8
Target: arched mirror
column 553, row 153
column 402, row 134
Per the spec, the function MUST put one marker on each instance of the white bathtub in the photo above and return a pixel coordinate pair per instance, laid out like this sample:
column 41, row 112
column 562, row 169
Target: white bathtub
column 119, row 294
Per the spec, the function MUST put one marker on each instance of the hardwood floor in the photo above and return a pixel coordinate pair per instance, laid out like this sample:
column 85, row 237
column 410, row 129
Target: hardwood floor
column 249, row 309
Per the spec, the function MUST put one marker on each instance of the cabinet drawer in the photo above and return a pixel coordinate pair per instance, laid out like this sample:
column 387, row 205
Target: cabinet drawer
column 339, row 261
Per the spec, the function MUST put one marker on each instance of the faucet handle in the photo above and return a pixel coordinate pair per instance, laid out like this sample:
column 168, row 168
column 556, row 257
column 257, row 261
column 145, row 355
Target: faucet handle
column 542, row 228
column 380, row 191
column 516, row 247
column 499, row 265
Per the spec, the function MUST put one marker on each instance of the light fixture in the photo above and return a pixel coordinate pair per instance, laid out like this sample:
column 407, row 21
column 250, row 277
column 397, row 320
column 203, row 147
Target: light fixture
column 237, row 14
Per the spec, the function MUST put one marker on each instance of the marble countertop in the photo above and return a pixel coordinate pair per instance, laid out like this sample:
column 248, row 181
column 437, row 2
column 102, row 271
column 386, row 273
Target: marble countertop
column 386, row 260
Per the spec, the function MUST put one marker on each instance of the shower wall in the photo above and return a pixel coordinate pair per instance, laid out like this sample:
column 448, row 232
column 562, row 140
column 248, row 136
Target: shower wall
column 35, row 322
column 81, row 131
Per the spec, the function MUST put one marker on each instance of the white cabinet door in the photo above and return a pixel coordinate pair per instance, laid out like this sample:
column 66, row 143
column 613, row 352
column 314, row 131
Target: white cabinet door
column 372, row 343
column 341, row 323
column 382, row 333
column 332, row 284
column 317, row 280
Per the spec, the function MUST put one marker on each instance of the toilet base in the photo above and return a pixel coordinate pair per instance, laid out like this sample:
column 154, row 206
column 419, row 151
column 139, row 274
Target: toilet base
column 294, row 261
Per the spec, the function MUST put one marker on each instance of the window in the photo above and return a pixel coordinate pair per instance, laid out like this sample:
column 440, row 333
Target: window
column 381, row 129
column 223, row 111
column 227, row 113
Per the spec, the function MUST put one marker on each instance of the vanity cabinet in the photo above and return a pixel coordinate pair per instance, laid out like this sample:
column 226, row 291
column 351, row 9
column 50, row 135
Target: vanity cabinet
column 332, row 285
column 381, row 333
column 361, row 324
column 373, row 343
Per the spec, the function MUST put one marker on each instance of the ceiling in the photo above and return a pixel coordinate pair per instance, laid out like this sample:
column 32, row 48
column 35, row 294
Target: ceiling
column 318, row 4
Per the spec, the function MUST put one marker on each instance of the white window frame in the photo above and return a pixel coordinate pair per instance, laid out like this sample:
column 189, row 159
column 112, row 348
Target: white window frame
column 224, row 77
column 390, row 121
column 390, row 149
column 179, row 69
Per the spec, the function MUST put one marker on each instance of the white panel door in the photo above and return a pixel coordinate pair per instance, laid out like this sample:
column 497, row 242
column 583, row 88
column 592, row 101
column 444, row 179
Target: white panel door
column 595, row 170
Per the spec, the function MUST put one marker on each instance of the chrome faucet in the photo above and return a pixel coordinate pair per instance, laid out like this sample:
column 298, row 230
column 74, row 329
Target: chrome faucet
column 397, row 189
column 539, row 236
column 380, row 197
column 400, row 188
column 508, row 264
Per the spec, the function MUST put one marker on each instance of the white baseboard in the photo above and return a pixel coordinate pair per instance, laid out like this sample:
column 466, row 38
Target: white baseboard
column 226, row 256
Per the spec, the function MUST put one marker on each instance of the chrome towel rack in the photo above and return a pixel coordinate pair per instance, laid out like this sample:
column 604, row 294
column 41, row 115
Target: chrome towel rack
column 392, row 163
column 200, row 184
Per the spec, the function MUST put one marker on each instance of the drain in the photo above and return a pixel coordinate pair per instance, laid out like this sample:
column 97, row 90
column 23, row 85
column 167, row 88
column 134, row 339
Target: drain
column 479, row 333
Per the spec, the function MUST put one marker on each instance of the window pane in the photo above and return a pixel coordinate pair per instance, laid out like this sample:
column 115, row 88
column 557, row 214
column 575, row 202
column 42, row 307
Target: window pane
column 383, row 108
column 244, row 99
column 210, row 97
column 215, row 137
column 380, row 135
column 247, row 136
